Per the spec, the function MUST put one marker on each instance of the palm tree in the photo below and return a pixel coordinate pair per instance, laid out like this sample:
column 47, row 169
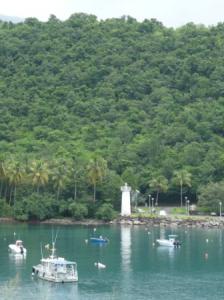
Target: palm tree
column 158, row 184
column 76, row 171
column 182, row 178
column 76, row 174
column 16, row 174
column 39, row 173
column 2, row 175
column 96, row 169
column 60, row 176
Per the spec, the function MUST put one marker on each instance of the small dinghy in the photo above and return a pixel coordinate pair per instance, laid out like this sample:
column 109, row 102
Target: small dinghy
column 172, row 241
column 17, row 248
column 99, row 239
column 99, row 265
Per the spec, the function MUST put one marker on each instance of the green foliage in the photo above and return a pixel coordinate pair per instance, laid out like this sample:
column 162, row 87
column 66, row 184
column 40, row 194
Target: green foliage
column 115, row 96
column 36, row 207
column 178, row 210
column 210, row 197
column 78, row 210
column 5, row 209
column 106, row 212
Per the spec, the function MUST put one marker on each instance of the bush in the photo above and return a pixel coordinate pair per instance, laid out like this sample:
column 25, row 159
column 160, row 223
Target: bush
column 78, row 210
column 5, row 209
column 210, row 196
column 64, row 208
column 106, row 212
column 36, row 207
column 179, row 210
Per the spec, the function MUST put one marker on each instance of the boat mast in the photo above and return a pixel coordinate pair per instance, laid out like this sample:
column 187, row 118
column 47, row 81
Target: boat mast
column 53, row 250
column 41, row 250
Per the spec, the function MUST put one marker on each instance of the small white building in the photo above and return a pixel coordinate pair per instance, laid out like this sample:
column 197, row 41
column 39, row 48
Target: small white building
column 126, row 200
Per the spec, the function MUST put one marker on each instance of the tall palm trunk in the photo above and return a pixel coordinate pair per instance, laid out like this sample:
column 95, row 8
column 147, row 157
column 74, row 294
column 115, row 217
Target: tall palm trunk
column 10, row 195
column 6, row 191
column 38, row 188
column 181, row 194
column 15, row 195
column 157, row 197
column 58, row 193
column 94, row 193
column 75, row 192
column 1, row 188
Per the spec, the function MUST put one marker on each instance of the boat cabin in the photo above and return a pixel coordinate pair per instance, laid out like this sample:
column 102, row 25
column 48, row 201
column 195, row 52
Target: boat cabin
column 19, row 243
column 59, row 266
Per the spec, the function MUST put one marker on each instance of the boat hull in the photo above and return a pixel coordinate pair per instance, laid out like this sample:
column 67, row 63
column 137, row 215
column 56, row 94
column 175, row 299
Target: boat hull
column 59, row 280
column 17, row 250
column 98, row 240
column 166, row 243
column 40, row 272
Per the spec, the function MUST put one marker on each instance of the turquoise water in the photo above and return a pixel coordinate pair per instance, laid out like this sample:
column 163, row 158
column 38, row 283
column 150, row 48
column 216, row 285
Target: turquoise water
column 136, row 268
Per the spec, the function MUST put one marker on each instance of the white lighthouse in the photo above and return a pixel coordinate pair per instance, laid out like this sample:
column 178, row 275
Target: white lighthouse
column 126, row 200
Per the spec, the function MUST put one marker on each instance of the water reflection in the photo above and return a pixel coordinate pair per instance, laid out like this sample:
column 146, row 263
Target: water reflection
column 50, row 290
column 126, row 247
column 18, row 259
column 167, row 251
column 10, row 289
column 162, row 233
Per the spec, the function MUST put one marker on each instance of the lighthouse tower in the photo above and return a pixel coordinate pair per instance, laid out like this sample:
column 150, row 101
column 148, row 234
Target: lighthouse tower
column 126, row 200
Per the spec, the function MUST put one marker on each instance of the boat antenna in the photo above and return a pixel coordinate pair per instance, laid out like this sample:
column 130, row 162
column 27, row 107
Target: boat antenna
column 52, row 234
column 41, row 250
column 56, row 236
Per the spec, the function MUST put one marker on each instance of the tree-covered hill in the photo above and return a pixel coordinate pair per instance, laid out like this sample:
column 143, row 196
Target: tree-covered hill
column 146, row 99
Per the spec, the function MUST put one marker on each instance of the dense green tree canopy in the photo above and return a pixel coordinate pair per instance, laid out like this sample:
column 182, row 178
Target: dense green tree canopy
column 144, row 98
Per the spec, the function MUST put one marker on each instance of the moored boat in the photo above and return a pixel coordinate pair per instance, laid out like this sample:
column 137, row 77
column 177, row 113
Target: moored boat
column 56, row 269
column 172, row 241
column 17, row 248
column 99, row 265
column 99, row 239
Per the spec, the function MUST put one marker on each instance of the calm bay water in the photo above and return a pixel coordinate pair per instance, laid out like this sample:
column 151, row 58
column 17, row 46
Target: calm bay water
column 136, row 268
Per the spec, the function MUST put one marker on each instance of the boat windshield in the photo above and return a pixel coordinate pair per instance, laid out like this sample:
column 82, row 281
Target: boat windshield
column 19, row 243
column 172, row 237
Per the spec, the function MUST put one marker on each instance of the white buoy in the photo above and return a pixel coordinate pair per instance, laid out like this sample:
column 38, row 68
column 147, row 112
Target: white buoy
column 149, row 232
column 14, row 233
column 206, row 240
column 86, row 241
column 153, row 244
column 99, row 265
column 94, row 229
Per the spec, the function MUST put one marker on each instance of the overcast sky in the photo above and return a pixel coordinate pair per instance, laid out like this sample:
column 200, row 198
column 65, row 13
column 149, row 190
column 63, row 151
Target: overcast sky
column 170, row 12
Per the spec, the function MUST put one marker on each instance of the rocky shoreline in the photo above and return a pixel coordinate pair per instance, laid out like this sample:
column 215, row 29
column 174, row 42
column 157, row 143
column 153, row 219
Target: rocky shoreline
column 208, row 222
column 174, row 221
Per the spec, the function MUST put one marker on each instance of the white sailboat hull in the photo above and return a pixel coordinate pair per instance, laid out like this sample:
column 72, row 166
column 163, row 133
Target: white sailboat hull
column 17, row 250
column 164, row 242
column 53, row 276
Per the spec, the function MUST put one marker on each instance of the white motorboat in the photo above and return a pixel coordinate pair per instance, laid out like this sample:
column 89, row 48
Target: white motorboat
column 99, row 265
column 18, row 248
column 56, row 269
column 172, row 241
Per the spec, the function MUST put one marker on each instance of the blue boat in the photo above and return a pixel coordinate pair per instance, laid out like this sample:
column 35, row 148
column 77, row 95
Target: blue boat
column 99, row 239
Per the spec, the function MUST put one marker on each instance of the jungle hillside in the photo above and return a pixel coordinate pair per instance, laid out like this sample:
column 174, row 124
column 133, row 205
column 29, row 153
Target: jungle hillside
column 87, row 105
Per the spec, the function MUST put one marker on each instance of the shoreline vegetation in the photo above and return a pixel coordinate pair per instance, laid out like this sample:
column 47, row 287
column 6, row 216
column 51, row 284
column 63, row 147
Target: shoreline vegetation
column 168, row 221
column 88, row 104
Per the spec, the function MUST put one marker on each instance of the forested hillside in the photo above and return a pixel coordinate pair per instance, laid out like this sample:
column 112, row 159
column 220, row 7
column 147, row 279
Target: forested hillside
column 86, row 105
